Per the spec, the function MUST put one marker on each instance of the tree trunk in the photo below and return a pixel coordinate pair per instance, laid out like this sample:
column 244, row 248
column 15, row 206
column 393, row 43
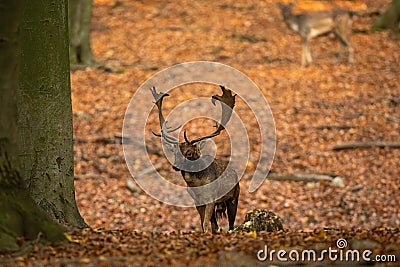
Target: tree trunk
column 20, row 216
column 80, row 13
column 10, row 15
column 390, row 19
column 45, row 112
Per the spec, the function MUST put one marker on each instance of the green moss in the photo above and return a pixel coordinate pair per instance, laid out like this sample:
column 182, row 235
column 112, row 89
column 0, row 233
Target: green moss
column 22, row 217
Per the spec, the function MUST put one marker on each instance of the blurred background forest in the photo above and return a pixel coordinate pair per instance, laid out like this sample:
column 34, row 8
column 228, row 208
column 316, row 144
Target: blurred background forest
column 314, row 108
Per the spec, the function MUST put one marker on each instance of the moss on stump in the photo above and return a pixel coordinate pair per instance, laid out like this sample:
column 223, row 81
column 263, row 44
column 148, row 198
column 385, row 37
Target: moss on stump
column 260, row 220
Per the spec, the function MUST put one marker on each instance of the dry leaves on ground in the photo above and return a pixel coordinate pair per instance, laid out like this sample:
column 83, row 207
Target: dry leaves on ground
column 314, row 109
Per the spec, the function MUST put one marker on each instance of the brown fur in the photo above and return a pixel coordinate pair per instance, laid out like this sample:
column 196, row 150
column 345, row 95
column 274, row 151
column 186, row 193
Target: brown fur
column 216, row 170
column 312, row 24
column 211, row 201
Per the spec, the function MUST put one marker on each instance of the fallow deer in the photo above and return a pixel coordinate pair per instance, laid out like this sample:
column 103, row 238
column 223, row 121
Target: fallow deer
column 201, row 170
column 312, row 24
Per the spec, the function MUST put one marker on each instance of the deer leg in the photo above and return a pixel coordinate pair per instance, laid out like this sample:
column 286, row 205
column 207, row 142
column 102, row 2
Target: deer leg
column 201, row 211
column 208, row 212
column 214, row 223
column 340, row 54
column 303, row 54
column 345, row 42
column 306, row 54
column 343, row 33
column 309, row 59
column 351, row 54
column 231, row 206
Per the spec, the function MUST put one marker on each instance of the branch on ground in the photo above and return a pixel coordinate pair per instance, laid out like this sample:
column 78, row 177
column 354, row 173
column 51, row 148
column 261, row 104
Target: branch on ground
column 301, row 177
column 355, row 145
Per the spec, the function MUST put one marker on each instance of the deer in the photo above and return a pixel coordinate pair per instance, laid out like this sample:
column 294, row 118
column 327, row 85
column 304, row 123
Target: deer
column 312, row 24
column 201, row 170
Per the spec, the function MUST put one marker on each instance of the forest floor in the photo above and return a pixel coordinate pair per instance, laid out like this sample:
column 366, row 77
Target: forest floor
column 314, row 109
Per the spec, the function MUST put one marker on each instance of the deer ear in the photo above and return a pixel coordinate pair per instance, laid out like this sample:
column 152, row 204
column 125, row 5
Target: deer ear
column 201, row 144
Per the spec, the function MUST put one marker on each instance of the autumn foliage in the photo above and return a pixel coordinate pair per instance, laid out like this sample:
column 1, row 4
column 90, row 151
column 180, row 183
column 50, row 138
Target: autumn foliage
column 314, row 108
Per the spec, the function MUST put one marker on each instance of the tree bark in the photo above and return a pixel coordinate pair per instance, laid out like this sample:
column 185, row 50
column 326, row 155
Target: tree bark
column 20, row 216
column 390, row 19
column 10, row 15
column 80, row 13
column 45, row 111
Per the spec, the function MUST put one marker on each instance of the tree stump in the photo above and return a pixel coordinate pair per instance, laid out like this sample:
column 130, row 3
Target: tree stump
column 260, row 220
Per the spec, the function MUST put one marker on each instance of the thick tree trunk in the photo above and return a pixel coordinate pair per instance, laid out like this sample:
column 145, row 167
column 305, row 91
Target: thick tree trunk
column 20, row 216
column 45, row 112
column 390, row 19
column 10, row 15
column 80, row 14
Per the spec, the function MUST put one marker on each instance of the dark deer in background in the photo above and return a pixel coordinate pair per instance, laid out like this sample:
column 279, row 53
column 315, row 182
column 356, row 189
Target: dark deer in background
column 198, row 170
column 312, row 24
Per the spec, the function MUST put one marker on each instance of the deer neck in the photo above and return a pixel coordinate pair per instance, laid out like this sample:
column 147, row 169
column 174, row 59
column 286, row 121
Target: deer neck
column 291, row 20
column 202, row 177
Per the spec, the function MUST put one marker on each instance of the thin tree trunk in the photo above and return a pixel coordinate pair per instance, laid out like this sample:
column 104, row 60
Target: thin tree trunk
column 45, row 114
column 80, row 14
column 390, row 19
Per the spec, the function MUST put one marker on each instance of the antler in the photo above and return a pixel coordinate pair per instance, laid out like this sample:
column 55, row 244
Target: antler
column 158, row 97
column 229, row 100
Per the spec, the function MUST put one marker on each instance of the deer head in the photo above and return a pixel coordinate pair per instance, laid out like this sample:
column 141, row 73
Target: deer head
column 188, row 157
column 286, row 9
